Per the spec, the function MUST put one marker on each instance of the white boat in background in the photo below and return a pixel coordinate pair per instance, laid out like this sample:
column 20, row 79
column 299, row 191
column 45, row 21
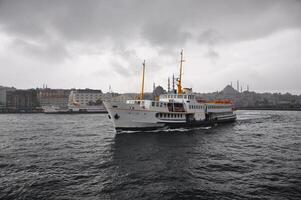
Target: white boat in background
column 174, row 110
column 54, row 109
column 74, row 110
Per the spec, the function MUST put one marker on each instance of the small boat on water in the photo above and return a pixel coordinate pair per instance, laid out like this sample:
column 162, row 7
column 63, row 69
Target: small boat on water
column 174, row 110
column 73, row 110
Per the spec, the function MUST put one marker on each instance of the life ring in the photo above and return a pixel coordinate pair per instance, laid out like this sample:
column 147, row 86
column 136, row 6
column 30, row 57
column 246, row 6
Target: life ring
column 116, row 116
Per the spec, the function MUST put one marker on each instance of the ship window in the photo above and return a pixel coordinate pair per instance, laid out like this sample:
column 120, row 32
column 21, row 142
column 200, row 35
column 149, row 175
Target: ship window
column 157, row 104
column 168, row 115
column 161, row 104
column 157, row 114
column 185, row 96
column 153, row 104
column 160, row 115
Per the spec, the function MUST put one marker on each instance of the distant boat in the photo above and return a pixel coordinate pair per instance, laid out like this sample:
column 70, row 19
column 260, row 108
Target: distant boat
column 173, row 110
column 82, row 110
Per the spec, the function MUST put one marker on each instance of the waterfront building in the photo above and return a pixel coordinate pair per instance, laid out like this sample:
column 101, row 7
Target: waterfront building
column 85, row 97
column 53, row 97
column 25, row 100
column 3, row 91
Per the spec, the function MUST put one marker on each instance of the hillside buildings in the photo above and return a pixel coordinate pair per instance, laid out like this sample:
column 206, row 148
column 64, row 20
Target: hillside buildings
column 86, row 100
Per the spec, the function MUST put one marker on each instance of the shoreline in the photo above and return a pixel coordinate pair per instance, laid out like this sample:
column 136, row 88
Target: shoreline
column 102, row 112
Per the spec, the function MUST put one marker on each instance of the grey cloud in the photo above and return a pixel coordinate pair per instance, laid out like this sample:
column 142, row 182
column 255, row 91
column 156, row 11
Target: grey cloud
column 165, row 34
column 211, row 53
column 120, row 69
column 161, row 23
column 52, row 52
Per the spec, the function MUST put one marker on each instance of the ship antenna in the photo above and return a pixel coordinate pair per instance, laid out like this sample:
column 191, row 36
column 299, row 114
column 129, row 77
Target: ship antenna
column 142, row 86
column 180, row 77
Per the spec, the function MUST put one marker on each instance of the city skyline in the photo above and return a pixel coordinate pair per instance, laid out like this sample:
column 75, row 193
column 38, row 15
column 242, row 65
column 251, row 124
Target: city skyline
column 93, row 44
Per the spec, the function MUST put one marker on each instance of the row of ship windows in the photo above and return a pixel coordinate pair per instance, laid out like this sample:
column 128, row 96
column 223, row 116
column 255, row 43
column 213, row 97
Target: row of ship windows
column 168, row 115
column 157, row 104
column 195, row 107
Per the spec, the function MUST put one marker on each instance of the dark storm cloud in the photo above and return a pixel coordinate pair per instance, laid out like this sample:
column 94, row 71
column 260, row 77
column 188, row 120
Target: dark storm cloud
column 50, row 30
column 163, row 23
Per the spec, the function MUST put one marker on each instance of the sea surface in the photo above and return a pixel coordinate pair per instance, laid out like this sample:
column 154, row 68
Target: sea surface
column 81, row 157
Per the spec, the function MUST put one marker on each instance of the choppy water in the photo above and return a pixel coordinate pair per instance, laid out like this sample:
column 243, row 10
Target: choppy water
column 81, row 157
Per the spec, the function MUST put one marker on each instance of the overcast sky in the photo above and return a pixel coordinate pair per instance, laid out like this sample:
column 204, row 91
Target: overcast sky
column 94, row 44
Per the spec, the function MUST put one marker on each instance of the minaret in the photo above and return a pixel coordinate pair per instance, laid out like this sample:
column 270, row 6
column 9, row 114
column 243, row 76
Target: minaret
column 173, row 83
column 168, row 85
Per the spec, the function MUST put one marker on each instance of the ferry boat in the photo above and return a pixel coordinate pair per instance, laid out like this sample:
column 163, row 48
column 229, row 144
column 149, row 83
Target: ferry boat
column 177, row 110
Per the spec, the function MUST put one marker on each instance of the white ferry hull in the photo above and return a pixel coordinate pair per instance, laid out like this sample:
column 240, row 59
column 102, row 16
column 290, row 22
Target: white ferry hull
column 125, row 117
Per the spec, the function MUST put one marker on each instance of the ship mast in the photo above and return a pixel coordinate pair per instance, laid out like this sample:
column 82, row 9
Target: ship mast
column 142, row 85
column 180, row 77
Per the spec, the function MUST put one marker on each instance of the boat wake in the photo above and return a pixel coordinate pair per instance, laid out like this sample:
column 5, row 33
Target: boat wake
column 166, row 130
